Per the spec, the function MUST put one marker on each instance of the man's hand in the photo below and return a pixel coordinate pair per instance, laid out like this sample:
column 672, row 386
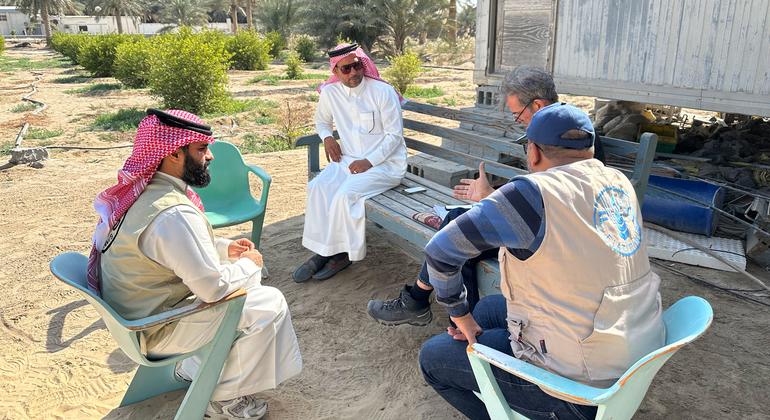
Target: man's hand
column 332, row 150
column 474, row 189
column 238, row 247
column 467, row 329
column 253, row 255
column 359, row 166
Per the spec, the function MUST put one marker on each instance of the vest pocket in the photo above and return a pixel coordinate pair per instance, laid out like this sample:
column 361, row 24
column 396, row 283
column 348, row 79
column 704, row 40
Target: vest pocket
column 627, row 326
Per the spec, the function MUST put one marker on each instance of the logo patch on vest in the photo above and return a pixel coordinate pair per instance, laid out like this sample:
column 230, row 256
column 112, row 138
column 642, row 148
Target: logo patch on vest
column 615, row 220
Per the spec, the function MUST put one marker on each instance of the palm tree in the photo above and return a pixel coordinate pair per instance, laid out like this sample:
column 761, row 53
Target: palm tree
column 452, row 22
column 46, row 7
column 118, row 8
column 185, row 12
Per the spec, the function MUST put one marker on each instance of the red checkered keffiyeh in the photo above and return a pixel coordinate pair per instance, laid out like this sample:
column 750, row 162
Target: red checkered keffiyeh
column 370, row 70
column 153, row 142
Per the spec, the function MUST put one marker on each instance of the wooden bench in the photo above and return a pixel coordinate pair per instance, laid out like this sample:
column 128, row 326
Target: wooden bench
column 393, row 209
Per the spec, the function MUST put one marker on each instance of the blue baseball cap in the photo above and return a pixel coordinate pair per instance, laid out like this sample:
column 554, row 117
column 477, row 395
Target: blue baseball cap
column 549, row 124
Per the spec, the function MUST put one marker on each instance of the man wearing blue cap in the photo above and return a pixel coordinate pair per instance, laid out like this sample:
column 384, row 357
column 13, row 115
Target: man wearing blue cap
column 578, row 295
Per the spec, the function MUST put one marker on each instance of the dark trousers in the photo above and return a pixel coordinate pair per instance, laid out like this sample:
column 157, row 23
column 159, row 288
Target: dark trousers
column 444, row 364
column 468, row 271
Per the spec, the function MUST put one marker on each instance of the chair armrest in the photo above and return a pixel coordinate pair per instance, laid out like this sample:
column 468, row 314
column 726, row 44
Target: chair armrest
column 266, row 180
column 313, row 143
column 179, row 313
column 558, row 386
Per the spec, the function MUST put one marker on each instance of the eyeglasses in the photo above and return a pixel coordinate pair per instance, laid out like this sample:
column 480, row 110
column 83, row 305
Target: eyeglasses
column 524, row 142
column 357, row 66
column 518, row 114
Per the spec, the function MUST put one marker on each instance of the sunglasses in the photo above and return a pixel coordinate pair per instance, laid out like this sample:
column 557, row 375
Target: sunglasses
column 524, row 142
column 357, row 66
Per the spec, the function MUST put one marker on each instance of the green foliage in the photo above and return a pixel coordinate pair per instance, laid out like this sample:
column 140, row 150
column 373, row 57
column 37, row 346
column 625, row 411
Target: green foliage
column 424, row 92
column 8, row 64
column 277, row 42
column 253, row 144
column 123, row 120
column 6, row 147
column 250, row 51
column 272, row 79
column 132, row 63
column 68, row 45
column 403, row 70
column 24, row 107
column 355, row 20
column 2, row 44
column 234, row 106
column 294, row 66
column 189, row 72
column 96, row 89
column 98, row 54
column 72, row 79
column 442, row 52
column 305, row 46
column 42, row 133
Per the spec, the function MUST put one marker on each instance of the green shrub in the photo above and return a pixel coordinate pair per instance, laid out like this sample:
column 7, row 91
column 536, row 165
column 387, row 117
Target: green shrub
column 123, row 120
column 424, row 92
column 189, row 72
column 98, row 54
column 132, row 63
column 305, row 47
column 293, row 66
column 277, row 42
column 403, row 70
column 68, row 45
column 250, row 51
column 2, row 44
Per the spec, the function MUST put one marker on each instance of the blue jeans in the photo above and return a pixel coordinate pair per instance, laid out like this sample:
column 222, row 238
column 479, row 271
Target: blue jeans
column 445, row 366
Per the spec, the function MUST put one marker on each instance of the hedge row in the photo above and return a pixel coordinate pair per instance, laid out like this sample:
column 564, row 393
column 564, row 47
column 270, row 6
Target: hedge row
column 186, row 69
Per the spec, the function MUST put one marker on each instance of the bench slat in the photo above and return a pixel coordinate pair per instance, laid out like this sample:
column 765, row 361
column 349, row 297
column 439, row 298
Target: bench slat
column 470, row 161
column 439, row 195
column 424, row 197
column 461, row 115
column 466, row 136
column 407, row 201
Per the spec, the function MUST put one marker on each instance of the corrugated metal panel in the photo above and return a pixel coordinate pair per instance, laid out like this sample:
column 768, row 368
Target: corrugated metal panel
column 707, row 45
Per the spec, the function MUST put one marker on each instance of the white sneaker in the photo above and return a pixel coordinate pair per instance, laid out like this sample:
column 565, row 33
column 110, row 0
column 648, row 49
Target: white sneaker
column 246, row 407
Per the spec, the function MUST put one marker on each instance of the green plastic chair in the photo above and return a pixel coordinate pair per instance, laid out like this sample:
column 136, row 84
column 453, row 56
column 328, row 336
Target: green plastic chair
column 227, row 199
column 155, row 377
column 685, row 321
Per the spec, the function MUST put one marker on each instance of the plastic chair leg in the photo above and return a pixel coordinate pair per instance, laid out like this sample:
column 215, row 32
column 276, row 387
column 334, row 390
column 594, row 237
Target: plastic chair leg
column 256, row 229
column 151, row 381
column 197, row 398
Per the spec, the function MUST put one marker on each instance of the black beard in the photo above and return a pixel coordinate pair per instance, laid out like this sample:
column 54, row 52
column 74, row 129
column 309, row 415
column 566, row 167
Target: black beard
column 196, row 175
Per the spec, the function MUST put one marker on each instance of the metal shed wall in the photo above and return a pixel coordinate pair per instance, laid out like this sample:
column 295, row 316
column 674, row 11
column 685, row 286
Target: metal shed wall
column 708, row 54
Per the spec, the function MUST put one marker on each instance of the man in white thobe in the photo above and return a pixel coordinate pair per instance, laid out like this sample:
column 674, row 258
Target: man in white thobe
column 154, row 250
column 369, row 159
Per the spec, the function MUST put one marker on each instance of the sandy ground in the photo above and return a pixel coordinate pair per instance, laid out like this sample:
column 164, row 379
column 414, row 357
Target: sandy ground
column 58, row 361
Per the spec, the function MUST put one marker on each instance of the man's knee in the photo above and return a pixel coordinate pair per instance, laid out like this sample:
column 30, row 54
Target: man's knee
column 431, row 358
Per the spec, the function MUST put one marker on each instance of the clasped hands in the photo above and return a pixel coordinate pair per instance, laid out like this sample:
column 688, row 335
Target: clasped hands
column 334, row 154
column 244, row 248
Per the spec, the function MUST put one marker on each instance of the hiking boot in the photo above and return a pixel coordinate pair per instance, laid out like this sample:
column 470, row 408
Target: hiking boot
column 402, row 310
column 246, row 407
column 336, row 264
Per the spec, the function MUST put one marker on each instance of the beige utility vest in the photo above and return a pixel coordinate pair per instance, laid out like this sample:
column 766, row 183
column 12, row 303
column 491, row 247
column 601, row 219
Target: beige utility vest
column 585, row 305
column 134, row 285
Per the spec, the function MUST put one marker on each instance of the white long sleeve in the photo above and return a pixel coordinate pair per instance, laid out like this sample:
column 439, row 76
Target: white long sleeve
column 368, row 119
column 178, row 239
